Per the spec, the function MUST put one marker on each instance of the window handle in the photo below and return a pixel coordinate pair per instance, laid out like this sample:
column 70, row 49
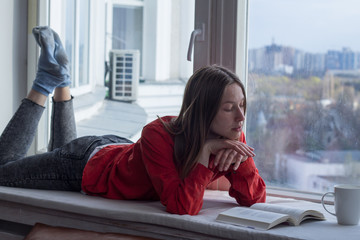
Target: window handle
column 199, row 35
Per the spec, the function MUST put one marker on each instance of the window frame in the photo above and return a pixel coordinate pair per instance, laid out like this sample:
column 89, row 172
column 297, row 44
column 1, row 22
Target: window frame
column 56, row 23
column 204, row 53
column 40, row 16
column 110, row 5
column 40, row 13
column 242, row 71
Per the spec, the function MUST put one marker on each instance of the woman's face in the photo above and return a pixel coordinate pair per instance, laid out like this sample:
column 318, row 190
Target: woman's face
column 229, row 119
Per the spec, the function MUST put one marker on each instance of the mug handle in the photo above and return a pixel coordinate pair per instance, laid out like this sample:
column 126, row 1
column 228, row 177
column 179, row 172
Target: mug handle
column 322, row 202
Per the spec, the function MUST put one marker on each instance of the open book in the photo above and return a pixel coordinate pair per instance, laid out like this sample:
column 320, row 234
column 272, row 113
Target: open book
column 265, row 216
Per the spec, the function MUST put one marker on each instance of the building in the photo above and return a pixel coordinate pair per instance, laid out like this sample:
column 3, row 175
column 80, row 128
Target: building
column 304, row 170
column 280, row 59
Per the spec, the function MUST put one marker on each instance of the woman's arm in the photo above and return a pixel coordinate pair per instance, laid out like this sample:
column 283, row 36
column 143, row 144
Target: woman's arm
column 247, row 186
column 180, row 196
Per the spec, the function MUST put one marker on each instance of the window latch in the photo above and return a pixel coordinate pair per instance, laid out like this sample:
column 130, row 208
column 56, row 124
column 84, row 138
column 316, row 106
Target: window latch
column 199, row 35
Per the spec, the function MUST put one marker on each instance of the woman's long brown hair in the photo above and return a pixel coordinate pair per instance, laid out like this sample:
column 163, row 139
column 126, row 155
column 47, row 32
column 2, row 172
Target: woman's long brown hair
column 201, row 101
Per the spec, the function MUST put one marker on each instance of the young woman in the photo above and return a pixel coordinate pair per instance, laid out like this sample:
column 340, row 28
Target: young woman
column 173, row 161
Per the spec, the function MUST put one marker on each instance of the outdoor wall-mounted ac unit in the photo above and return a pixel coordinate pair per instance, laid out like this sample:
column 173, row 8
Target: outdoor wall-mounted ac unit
column 125, row 72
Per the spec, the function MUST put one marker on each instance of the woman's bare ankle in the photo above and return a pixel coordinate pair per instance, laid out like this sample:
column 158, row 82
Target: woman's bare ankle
column 62, row 94
column 37, row 97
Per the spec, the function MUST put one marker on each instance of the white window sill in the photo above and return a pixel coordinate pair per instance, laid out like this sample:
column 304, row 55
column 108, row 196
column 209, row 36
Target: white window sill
column 299, row 195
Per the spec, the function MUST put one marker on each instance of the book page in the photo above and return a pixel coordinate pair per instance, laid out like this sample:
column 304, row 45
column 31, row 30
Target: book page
column 297, row 213
column 252, row 218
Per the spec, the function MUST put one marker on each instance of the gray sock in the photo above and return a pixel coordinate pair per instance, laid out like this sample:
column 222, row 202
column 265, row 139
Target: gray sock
column 53, row 67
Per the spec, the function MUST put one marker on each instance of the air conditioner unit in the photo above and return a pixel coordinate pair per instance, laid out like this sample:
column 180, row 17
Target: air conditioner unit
column 125, row 71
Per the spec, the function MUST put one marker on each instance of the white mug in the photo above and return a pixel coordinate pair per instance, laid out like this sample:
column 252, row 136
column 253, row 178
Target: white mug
column 347, row 203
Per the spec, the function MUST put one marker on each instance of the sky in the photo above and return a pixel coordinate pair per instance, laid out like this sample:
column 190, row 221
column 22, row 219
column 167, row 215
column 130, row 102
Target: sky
column 310, row 25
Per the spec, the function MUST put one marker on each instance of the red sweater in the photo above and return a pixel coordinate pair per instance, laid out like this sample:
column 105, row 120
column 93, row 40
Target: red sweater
column 145, row 171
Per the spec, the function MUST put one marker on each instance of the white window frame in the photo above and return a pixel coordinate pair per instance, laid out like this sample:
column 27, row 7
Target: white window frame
column 37, row 16
column 56, row 22
column 46, row 13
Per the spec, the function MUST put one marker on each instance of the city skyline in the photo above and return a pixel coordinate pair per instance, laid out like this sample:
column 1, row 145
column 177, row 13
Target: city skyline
column 311, row 26
column 301, row 50
column 286, row 59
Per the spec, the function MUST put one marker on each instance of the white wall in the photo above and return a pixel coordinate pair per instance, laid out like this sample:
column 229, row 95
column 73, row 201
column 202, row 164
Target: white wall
column 163, row 40
column 167, row 29
column 149, row 37
column 182, row 16
column 97, row 42
column 13, row 59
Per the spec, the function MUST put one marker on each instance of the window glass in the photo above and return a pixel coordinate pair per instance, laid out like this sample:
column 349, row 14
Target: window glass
column 127, row 29
column 76, row 27
column 69, row 34
column 160, row 30
column 84, row 9
column 304, row 92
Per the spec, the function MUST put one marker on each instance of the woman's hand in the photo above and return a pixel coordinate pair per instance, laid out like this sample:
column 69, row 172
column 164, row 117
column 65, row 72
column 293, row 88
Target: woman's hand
column 227, row 152
column 226, row 158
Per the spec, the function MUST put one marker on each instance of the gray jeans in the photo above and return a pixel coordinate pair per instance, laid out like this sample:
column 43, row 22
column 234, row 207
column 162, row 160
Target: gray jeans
column 60, row 168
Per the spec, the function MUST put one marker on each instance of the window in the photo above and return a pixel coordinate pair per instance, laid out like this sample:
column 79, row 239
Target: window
column 70, row 34
column 84, row 35
column 159, row 29
column 74, row 30
column 303, row 92
column 127, row 29
column 70, row 19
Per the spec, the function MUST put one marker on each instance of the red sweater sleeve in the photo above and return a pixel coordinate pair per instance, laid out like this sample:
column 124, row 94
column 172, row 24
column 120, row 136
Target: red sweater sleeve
column 247, row 186
column 178, row 196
